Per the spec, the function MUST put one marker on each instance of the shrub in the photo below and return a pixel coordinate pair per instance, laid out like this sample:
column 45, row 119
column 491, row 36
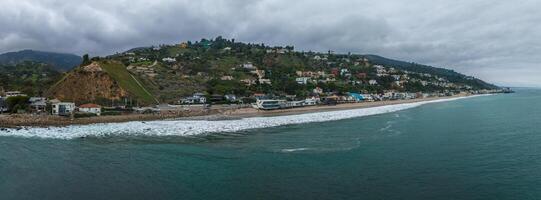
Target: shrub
column 110, row 113
column 83, row 115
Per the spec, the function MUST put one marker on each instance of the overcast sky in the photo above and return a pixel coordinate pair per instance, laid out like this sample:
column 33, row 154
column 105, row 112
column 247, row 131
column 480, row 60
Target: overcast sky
column 498, row 41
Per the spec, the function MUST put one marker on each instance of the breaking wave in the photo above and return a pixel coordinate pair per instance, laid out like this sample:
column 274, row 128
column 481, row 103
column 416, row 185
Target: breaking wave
column 197, row 127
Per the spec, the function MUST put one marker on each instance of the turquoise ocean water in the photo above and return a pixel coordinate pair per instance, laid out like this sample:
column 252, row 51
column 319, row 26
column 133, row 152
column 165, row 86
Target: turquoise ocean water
column 485, row 147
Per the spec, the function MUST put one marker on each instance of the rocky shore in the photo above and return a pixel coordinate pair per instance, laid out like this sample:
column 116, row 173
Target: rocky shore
column 216, row 113
column 26, row 120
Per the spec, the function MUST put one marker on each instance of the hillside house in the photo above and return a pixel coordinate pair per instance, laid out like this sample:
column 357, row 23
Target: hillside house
column 248, row 66
column 344, row 72
column 260, row 73
column 248, row 82
column 307, row 73
column 302, row 80
column 90, row 108
column 63, row 108
column 14, row 94
column 226, row 78
column 317, row 90
column 169, row 60
column 372, row 82
column 361, row 75
column 335, row 71
column 265, row 81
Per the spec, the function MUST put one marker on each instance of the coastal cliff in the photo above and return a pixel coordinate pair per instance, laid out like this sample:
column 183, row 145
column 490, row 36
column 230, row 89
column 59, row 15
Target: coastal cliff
column 98, row 81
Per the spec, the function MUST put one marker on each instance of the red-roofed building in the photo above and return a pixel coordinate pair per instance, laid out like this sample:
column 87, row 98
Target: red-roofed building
column 361, row 75
column 90, row 108
column 335, row 71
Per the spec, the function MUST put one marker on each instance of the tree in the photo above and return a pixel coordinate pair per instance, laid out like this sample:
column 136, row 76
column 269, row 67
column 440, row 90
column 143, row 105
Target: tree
column 17, row 103
column 86, row 60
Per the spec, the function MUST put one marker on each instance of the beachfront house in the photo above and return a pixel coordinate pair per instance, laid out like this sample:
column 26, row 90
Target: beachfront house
column 230, row 97
column 311, row 101
column 368, row 97
column 38, row 104
column 196, row 98
column 63, row 108
column 356, row 97
column 90, row 108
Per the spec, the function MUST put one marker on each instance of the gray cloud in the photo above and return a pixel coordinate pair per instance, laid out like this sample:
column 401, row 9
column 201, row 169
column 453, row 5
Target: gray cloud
column 494, row 40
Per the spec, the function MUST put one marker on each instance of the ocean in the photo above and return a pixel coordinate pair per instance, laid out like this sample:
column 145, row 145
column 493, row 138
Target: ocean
column 485, row 147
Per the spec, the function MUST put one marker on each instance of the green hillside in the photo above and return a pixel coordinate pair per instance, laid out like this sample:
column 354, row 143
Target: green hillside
column 127, row 81
column 218, row 67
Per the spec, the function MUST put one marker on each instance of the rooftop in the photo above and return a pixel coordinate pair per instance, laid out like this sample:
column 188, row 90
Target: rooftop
column 89, row 105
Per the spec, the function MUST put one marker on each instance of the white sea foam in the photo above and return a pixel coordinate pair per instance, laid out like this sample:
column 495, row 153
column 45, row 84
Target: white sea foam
column 196, row 127
column 294, row 150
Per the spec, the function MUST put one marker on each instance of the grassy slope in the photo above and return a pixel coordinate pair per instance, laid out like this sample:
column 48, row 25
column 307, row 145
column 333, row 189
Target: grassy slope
column 119, row 73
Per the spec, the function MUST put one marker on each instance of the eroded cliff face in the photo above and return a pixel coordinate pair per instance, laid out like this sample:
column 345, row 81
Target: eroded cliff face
column 87, row 84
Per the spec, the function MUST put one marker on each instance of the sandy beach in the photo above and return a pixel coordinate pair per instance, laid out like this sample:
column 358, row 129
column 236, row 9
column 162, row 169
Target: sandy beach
column 250, row 112
column 215, row 113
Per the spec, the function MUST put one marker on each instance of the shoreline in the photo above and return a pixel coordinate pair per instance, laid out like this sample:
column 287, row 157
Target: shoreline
column 213, row 114
column 325, row 108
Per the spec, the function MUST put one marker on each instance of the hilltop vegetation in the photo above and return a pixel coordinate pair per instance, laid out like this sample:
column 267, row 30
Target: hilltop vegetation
column 29, row 77
column 164, row 74
column 221, row 66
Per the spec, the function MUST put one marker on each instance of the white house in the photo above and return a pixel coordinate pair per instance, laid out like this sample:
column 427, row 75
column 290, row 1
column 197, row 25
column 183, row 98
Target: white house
column 90, row 108
column 197, row 98
column 63, row 108
column 14, row 94
column 169, row 60
column 248, row 66
column 302, row 80
column 230, row 97
column 265, row 81
column 226, row 78
column 38, row 104
column 372, row 82
column 317, row 90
